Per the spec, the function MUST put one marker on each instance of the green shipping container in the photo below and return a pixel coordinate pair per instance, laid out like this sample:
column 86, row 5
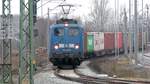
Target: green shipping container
column 90, row 43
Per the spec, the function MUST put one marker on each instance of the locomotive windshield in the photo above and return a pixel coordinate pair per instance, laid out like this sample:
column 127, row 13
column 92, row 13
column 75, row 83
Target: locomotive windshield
column 73, row 32
column 58, row 32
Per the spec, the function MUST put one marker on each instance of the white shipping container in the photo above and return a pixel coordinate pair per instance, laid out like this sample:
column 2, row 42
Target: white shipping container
column 98, row 41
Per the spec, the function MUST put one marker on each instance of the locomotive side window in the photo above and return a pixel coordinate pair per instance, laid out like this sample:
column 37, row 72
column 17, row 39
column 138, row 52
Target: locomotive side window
column 73, row 32
column 58, row 32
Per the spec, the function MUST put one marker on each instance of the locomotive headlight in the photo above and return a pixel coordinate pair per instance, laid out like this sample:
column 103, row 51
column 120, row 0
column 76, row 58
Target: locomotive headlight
column 56, row 46
column 76, row 46
column 66, row 24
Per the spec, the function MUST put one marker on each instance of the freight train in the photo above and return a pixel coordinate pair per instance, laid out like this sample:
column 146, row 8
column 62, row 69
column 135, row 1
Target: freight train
column 101, row 43
column 69, row 44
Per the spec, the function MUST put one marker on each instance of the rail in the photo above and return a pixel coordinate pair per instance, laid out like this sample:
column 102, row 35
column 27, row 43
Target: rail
column 77, row 79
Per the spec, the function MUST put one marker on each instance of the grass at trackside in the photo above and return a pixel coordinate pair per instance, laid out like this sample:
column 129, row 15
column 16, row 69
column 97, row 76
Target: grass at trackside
column 120, row 68
column 0, row 82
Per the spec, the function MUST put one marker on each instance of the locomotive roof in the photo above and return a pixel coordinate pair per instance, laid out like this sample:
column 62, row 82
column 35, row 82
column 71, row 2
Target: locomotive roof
column 69, row 25
column 64, row 20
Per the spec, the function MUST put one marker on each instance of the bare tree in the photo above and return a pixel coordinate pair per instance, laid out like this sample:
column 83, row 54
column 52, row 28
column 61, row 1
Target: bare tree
column 99, row 14
column 88, row 26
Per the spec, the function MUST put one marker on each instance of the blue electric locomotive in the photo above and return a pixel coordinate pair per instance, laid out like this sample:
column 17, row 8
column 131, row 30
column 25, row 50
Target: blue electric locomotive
column 66, row 43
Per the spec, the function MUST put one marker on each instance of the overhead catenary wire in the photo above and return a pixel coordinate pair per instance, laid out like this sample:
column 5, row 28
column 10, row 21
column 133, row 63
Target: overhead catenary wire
column 52, row 8
column 46, row 3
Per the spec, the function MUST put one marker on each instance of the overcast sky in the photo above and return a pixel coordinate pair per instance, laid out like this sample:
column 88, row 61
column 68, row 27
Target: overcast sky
column 82, row 11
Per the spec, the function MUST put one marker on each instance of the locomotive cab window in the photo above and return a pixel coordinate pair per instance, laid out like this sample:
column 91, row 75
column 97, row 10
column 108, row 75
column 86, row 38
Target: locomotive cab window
column 58, row 32
column 73, row 32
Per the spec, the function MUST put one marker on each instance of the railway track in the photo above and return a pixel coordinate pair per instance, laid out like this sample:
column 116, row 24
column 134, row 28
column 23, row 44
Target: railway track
column 79, row 79
column 111, row 80
column 85, row 79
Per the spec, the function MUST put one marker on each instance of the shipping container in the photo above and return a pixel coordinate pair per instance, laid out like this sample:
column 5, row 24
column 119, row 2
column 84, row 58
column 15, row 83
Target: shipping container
column 140, row 40
column 119, row 40
column 109, row 41
column 130, row 40
column 85, row 45
column 89, row 44
column 144, row 36
column 98, row 41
